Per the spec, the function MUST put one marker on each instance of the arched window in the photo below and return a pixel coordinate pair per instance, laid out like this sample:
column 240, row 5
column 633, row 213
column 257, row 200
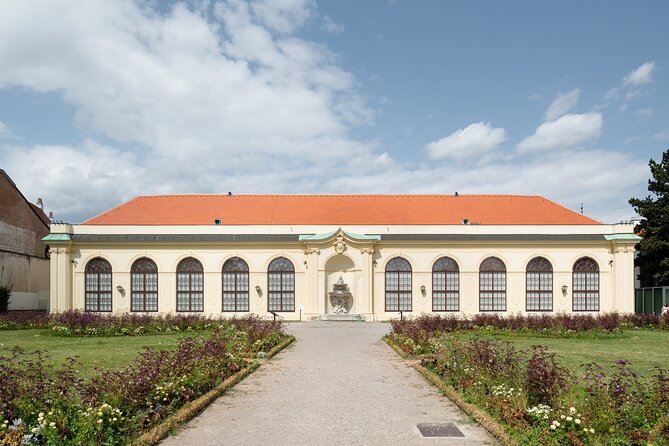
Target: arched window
column 445, row 285
column 235, row 285
column 398, row 285
column 98, row 285
column 144, row 285
column 190, row 285
column 539, row 285
column 281, row 285
column 492, row 285
column 585, row 285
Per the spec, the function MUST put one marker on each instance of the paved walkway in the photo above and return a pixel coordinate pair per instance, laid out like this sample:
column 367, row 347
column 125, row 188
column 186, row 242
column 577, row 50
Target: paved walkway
column 338, row 384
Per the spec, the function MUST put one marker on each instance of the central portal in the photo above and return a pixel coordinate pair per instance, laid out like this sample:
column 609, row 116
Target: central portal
column 340, row 292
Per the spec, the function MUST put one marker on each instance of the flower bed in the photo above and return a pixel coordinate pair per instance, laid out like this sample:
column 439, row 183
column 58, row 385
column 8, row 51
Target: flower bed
column 539, row 402
column 80, row 323
column 42, row 405
column 422, row 328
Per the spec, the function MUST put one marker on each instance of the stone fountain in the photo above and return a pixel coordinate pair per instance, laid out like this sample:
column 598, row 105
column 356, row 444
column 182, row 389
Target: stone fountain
column 341, row 300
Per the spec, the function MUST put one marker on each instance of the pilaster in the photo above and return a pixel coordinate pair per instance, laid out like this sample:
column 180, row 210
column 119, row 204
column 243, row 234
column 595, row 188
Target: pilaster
column 314, row 303
column 60, row 295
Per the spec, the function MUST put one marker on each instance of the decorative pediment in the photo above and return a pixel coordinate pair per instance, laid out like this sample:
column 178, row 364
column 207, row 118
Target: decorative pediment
column 334, row 235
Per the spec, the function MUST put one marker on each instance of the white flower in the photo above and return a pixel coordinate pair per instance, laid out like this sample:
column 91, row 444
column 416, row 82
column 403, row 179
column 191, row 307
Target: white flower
column 100, row 421
column 569, row 418
column 552, row 427
column 592, row 431
column 572, row 410
column 52, row 424
column 577, row 421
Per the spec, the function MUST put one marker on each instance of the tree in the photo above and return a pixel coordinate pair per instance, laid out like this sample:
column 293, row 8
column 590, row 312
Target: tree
column 653, row 259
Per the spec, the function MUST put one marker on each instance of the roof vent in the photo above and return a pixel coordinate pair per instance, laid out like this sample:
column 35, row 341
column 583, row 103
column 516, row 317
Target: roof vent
column 40, row 204
column 229, row 193
column 218, row 221
column 456, row 194
column 465, row 221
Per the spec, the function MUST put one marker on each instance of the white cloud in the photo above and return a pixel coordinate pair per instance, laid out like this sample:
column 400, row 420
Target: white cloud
column 184, row 83
column 535, row 97
column 641, row 75
column 631, row 85
column 644, row 112
column 226, row 97
column 566, row 131
column 562, row 104
column 330, row 26
column 602, row 179
column 238, row 101
column 284, row 16
column 474, row 140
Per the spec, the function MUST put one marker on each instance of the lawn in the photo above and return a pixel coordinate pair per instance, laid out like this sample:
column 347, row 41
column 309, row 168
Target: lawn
column 645, row 349
column 93, row 352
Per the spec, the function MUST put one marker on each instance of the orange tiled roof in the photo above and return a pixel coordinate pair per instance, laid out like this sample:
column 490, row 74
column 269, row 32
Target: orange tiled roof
column 339, row 210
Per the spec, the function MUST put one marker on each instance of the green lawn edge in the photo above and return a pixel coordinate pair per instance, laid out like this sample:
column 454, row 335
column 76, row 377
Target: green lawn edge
column 482, row 418
column 195, row 407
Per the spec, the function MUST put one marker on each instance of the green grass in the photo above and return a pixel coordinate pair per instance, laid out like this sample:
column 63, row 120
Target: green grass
column 645, row 349
column 93, row 352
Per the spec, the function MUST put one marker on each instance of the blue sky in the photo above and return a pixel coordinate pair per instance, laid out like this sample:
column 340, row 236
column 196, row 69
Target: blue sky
column 103, row 101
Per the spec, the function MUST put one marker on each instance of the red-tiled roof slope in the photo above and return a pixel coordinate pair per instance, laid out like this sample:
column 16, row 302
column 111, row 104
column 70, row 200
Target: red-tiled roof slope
column 339, row 210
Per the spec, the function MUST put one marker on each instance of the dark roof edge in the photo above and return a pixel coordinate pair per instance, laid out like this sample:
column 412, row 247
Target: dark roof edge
column 295, row 237
column 492, row 237
column 185, row 237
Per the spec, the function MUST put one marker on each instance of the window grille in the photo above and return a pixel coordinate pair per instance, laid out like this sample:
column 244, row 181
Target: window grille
column 98, row 278
column 281, row 285
column 539, row 285
column 235, row 285
column 492, row 285
column 144, row 285
column 398, row 285
column 585, row 285
column 445, row 285
column 190, row 285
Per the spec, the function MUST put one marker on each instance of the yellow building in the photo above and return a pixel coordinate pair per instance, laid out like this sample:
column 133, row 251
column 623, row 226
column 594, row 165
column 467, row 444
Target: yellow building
column 233, row 254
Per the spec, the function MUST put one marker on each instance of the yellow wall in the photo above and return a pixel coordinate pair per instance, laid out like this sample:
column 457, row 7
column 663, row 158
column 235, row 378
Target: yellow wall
column 361, row 262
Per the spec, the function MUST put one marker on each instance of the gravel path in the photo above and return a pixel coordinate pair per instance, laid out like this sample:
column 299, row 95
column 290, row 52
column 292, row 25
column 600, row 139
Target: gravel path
column 338, row 384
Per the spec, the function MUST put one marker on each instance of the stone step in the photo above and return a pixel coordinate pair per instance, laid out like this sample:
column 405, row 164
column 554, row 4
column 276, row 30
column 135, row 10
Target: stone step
column 341, row 317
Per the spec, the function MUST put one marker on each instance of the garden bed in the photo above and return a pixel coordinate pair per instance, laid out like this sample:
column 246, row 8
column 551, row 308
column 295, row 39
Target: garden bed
column 527, row 390
column 41, row 404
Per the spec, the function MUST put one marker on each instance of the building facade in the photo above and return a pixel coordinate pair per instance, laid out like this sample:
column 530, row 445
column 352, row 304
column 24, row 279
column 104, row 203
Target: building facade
column 227, row 255
column 24, row 263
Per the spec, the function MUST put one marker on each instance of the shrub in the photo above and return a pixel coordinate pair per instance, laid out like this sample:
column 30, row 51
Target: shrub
column 545, row 381
column 5, row 294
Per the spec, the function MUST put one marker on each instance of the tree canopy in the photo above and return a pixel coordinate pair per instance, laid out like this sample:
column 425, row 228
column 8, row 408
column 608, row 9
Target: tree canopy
column 653, row 258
